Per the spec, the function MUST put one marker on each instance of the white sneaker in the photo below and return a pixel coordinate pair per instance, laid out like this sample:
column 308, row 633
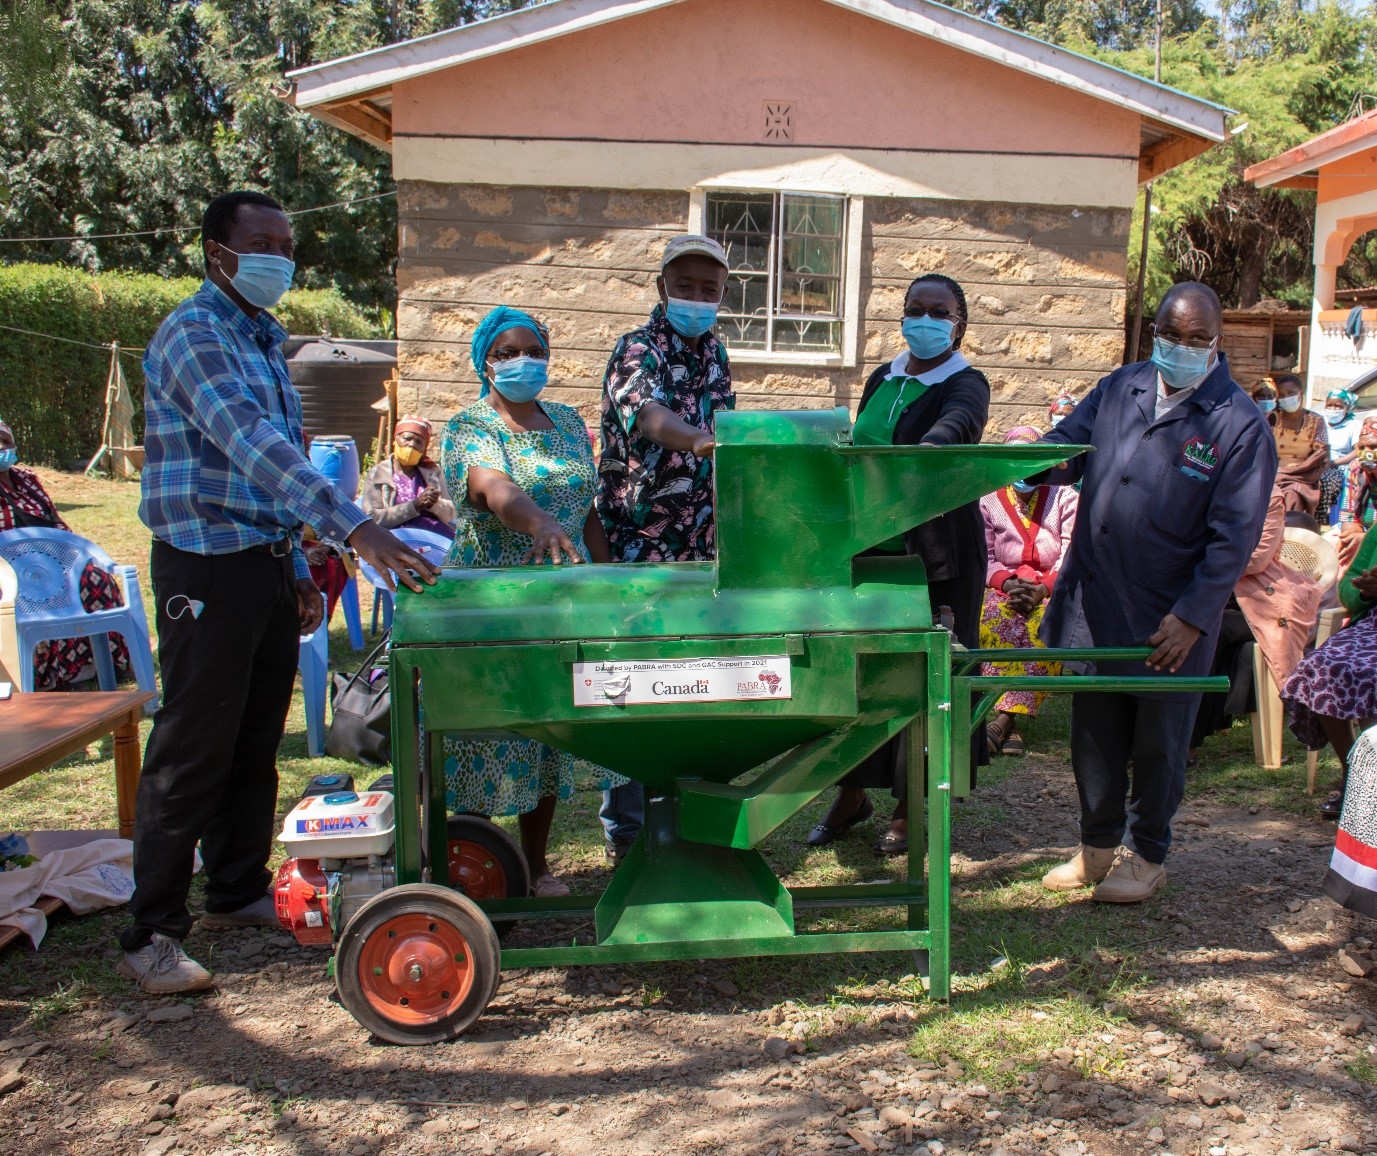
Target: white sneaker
column 262, row 912
column 163, row 967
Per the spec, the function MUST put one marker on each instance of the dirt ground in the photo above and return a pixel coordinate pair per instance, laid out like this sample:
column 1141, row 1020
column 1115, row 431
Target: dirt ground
column 1221, row 1021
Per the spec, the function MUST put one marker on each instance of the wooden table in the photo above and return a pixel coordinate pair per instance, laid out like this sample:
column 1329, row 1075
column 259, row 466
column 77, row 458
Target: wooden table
column 37, row 730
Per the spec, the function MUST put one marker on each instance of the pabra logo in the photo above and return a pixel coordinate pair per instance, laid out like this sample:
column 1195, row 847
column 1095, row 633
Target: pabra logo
column 770, row 679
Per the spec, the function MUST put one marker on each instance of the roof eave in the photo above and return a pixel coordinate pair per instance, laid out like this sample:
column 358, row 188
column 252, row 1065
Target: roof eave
column 1303, row 162
column 341, row 80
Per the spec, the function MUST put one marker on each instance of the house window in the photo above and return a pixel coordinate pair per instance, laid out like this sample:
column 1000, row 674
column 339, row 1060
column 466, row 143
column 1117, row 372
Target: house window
column 786, row 295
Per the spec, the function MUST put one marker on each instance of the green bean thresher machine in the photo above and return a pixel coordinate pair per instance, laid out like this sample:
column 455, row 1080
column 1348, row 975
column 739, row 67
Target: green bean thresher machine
column 736, row 691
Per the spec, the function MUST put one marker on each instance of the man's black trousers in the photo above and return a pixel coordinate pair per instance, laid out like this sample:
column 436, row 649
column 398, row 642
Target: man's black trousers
column 210, row 770
column 1108, row 731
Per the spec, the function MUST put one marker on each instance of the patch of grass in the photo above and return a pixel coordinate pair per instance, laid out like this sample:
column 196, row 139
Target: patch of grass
column 998, row 1041
column 1364, row 1069
column 64, row 1000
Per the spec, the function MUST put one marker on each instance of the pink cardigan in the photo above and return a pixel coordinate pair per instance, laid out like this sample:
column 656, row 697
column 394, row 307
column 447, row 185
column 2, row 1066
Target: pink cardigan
column 1280, row 604
column 1035, row 553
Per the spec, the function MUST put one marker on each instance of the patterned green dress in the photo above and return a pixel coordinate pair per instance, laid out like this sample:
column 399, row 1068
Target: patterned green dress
column 501, row 773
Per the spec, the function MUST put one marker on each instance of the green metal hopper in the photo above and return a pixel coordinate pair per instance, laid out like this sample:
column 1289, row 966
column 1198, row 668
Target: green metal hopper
column 736, row 691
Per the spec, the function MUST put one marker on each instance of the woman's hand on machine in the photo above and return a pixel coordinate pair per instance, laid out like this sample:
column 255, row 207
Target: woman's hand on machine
column 552, row 543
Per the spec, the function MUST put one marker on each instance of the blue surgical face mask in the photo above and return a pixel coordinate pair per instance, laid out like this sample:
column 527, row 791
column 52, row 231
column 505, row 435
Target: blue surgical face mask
column 1058, row 419
column 1267, row 404
column 1024, row 487
column 1181, row 366
column 690, row 319
column 8, row 459
column 520, row 378
column 1335, row 417
column 1290, row 404
column 927, row 337
column 262, row 278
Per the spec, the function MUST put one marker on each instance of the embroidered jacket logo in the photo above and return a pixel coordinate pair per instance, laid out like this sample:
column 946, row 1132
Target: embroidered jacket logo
column 1201, row 454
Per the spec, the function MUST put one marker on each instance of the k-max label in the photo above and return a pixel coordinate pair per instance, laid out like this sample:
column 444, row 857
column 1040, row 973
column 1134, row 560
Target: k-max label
column 330, row 824
column 687, row 680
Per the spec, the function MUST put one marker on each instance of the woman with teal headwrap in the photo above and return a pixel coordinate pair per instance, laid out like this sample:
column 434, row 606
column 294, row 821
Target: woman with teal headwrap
column 520, row 470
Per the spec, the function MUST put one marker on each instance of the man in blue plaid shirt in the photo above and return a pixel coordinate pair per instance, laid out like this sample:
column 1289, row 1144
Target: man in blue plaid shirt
column 227, row 488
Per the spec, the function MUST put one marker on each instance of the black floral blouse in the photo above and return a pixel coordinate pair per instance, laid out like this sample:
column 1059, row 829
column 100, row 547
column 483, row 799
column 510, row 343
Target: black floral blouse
column 655, row 503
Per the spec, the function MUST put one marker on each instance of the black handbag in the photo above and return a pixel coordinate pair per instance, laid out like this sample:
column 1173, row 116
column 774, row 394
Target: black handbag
column 361, row 713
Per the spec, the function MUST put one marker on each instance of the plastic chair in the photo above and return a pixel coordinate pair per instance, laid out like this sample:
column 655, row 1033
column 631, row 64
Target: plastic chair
column 9, row 638
column 48, row 565
column 313, row 661
column 349, row 603
column 429, row 545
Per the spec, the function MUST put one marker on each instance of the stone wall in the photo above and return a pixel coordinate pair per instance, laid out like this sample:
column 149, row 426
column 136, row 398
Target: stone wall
column 1045, row 287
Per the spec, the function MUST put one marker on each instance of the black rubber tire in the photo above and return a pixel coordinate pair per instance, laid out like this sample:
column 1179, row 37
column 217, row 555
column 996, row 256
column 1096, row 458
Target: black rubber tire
column 480, row 832
column 452, row 917
column 505, row 852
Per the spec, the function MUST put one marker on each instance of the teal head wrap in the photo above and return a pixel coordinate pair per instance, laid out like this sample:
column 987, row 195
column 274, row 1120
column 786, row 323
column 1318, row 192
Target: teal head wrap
column 500, row 319
column 1348, row 400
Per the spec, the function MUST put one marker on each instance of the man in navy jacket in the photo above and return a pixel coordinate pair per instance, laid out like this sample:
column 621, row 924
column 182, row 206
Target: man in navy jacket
column 1173, row 502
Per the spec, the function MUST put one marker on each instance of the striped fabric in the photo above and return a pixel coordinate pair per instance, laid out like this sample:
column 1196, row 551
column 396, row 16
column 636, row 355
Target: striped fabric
column 1352, row 876
column 225, row 466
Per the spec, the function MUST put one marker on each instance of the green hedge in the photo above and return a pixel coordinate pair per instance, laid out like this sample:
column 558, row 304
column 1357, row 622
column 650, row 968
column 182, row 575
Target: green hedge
column 53, row 393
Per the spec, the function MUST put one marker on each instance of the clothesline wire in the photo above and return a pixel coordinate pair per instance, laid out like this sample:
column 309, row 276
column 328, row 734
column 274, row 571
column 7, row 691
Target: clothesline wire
column 183, row 228
column 132, row 350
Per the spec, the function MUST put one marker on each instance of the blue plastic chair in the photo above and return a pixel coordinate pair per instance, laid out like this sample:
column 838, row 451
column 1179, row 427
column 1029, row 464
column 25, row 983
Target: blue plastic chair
column 49, row 565
column 349, row 603
column 313, row 661
column 429, row 545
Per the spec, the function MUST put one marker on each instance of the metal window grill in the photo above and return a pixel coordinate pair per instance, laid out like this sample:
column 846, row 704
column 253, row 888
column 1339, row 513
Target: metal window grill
column 786, row 255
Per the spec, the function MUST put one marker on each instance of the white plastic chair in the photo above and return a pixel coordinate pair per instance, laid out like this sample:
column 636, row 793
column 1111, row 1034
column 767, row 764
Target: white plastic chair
column 313, row 662
column 429, row 545
column 48, row 565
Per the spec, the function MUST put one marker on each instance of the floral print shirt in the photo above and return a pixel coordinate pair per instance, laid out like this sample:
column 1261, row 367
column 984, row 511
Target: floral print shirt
column 655, row 503
column 554, row 467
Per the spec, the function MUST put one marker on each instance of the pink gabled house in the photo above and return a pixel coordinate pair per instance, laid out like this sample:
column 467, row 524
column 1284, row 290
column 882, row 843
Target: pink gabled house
column 839, row 148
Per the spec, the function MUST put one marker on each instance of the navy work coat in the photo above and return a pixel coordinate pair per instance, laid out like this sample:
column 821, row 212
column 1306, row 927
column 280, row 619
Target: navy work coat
column 1171, row 509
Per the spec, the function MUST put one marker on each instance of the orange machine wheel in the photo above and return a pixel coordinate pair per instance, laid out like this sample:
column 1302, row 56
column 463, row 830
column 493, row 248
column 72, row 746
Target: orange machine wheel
column 417, row 964
column 484, row 861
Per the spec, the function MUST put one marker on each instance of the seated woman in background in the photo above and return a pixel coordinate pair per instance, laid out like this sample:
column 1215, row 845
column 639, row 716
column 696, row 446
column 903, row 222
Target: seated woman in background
column 1027, row 532
column 1335, row 686
column 1274, row 607
column 1264, row 394
column 25, row 504
column 408, row 488
column 1064, row 404
column 1344, row 427
column 522, row 473
column 1302, row 438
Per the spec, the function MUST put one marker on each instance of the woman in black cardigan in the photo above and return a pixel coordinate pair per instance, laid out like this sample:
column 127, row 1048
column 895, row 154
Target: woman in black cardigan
column 929, row 395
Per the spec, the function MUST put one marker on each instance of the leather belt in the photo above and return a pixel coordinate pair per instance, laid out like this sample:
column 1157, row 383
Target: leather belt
column 282, row 548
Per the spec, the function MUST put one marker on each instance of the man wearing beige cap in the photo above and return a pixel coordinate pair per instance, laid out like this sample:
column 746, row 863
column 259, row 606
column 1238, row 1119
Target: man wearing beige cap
column 664, row 384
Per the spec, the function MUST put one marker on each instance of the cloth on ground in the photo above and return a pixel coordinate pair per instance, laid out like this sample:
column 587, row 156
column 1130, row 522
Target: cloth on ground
column 86, row 878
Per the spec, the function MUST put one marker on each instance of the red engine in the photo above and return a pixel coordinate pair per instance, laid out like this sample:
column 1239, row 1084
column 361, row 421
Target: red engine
column 303, row 905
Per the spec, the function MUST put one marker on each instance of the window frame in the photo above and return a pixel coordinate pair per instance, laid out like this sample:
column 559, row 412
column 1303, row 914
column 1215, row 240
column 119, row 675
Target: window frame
column 848, row 355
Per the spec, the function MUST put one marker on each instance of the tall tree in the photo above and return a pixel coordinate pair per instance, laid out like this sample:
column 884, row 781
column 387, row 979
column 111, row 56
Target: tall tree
column 165, row 103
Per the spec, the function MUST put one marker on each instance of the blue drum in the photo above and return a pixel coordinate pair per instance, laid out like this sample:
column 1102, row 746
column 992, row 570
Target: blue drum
column 337, row 457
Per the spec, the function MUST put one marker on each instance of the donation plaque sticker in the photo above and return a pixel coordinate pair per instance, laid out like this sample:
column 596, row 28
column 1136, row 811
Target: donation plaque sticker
column 639, row 683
